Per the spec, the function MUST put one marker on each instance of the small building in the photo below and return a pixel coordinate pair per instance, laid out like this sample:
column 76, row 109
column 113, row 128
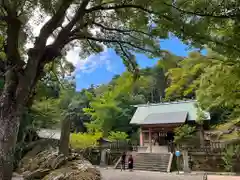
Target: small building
column 49, row 134
column 55, row 135
column 158, row 121
column 104, row 142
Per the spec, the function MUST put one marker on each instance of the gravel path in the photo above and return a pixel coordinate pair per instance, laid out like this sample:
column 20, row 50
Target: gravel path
column 111, row 174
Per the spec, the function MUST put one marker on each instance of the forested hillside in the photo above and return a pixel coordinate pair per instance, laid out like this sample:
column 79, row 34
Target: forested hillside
column 208, row 78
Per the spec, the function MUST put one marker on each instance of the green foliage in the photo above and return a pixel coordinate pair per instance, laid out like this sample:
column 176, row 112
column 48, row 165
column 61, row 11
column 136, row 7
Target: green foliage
column 84, row 140
column 93, row 127
column 1, row 84
column 201, row 25
column 183, row 133
column 111, row 109
column 185, row 78
column 228, row 158
column 46, row 114
column 117, row 135
column 219, row 87
column 201, row 116
column 211, row 79
column 2, row 54
column 135, row 137
column 106, row 108
column 230, row 153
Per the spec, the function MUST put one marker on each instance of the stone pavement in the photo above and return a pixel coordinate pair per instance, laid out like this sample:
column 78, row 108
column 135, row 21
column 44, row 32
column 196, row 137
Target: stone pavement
column 112, row 174
column 216, row 177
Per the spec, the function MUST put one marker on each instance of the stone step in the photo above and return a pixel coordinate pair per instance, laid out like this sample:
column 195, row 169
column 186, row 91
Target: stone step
column 147, row 167
column 160, row 169
column 153, row 159
column 149, row 161
column 154, row 154
column 158, row 149
column 156, row 166
column 147, row 164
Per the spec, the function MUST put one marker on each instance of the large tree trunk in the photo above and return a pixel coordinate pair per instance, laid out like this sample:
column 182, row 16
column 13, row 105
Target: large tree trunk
column 9, row 124
column 23, row 77
column 9, row 129
column 11, row 110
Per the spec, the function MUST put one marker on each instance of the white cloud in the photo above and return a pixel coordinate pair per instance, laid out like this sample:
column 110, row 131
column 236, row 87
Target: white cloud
column 85, row 65
column 89, row 64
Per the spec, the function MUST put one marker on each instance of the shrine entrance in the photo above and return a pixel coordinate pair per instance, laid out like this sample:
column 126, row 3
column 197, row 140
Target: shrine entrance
column 157, row 135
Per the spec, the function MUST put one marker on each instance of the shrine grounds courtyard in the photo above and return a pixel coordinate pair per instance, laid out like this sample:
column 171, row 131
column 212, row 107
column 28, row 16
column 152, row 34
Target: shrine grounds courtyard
column 113, row 174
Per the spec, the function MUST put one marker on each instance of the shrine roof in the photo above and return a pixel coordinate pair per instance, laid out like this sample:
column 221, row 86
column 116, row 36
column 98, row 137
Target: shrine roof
column 166, row 113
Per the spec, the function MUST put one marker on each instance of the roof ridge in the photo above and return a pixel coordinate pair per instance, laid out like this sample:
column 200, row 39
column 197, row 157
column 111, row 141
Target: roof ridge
column 164, row 103
column 166, row 112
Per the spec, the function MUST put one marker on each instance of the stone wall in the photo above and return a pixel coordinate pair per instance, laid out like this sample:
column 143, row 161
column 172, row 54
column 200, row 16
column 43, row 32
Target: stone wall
column 209, row 162
column 94, row 156
column 204, row 162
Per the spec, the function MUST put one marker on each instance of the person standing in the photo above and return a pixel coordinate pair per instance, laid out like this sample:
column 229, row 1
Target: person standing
column 130, row 163
column 123, row 161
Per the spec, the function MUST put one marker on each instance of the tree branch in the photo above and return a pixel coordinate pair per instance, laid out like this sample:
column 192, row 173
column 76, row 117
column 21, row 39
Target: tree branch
column 64, row 35
column 124, row 52
column 6, row 6
column 40, row 54
column 115, row 41
column 121, row 30
column 222, row 16
column 204, row 40
column 12, row 43
column 125, row 6
column 90, row 44
column 79, row 15
column 52, row 24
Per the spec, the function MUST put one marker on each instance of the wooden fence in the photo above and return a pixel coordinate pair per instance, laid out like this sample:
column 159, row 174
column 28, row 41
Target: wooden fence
column 120, row 146
column 208, row 147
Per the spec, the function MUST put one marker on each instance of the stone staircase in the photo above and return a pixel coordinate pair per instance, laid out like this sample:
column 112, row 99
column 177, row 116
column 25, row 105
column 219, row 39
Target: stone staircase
column 150, row 162
column 158, row 149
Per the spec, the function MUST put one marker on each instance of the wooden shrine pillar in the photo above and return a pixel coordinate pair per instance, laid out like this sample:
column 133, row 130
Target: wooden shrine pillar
column 150, row 139
column 141, row 138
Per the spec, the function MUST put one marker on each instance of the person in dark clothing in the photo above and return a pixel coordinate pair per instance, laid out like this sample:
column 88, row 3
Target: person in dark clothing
column 130, row 163
column 123, row 161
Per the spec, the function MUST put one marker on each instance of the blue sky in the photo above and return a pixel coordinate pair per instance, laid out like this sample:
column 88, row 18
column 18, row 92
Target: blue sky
column 99, row 69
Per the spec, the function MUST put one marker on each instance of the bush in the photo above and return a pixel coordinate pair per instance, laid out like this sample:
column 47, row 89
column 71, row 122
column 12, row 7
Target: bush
column 135, row 138
column 184, row 133
column 117, row 136
column 229, row 155
column 84, row 140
